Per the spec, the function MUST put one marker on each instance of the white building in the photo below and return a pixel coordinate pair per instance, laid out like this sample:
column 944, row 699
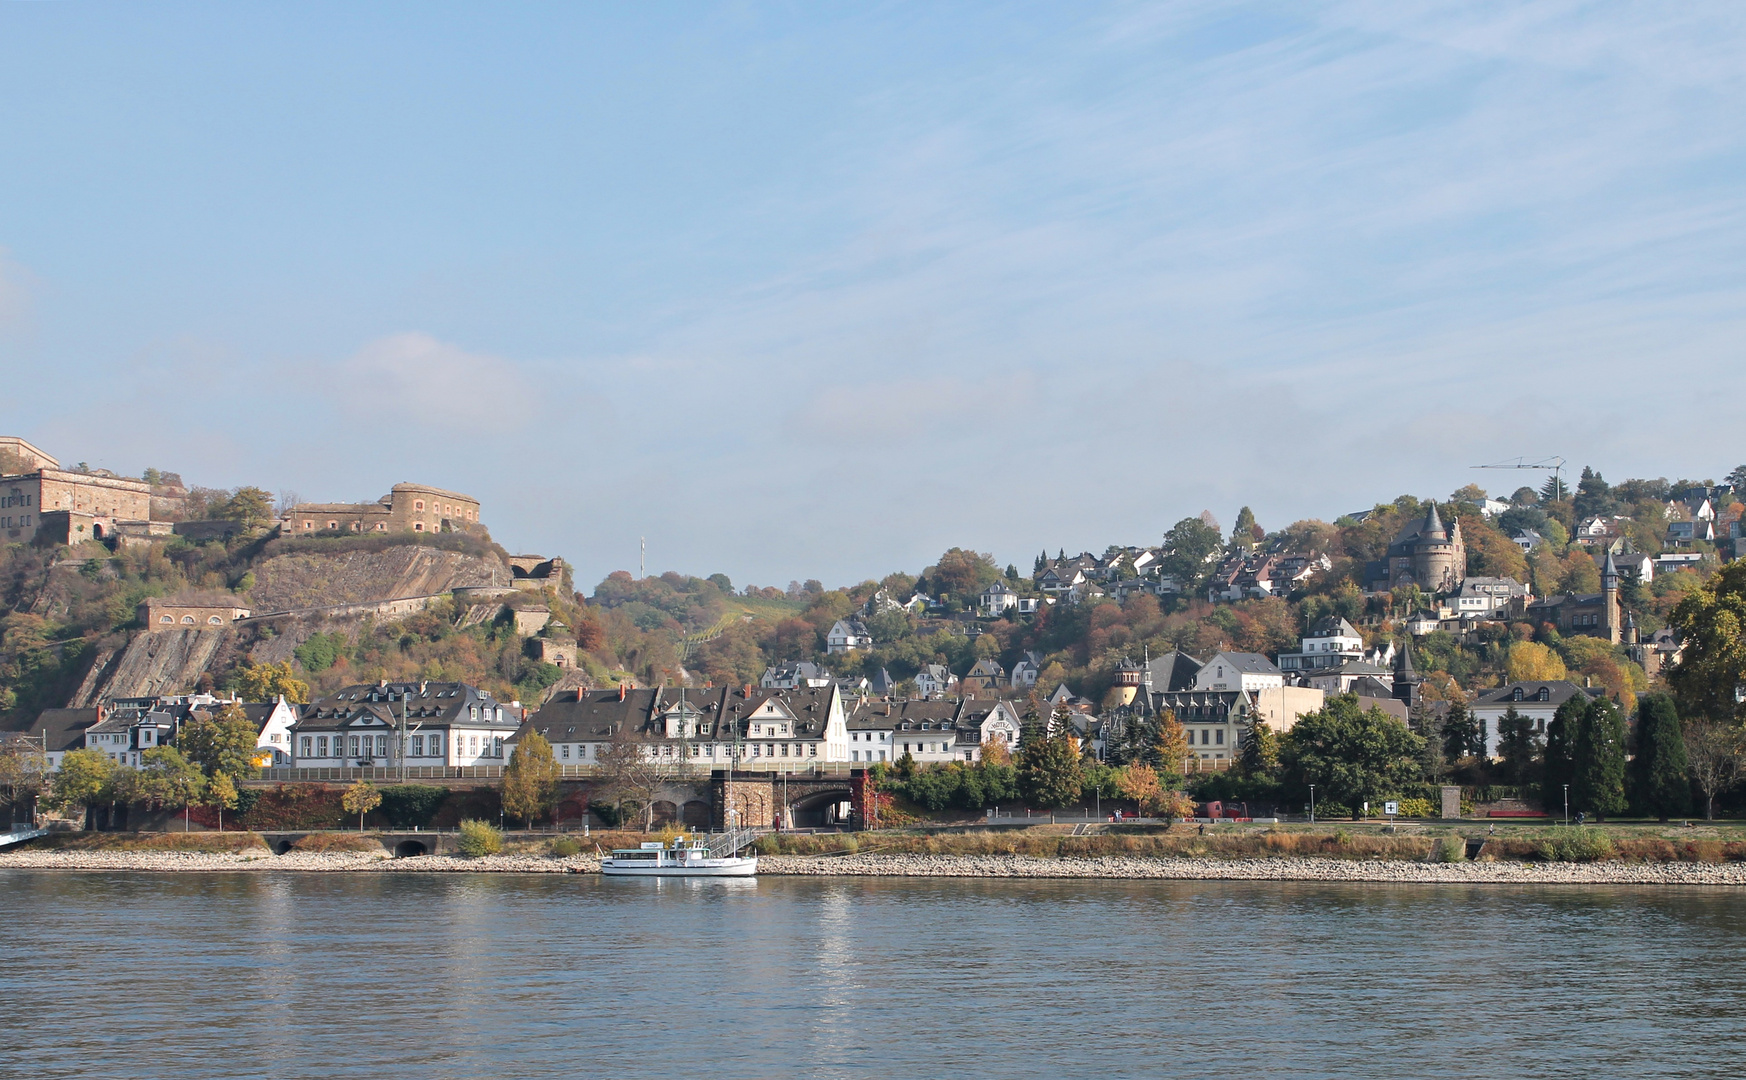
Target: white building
column 446, row 724
column 1238, row 671
column 847, row 634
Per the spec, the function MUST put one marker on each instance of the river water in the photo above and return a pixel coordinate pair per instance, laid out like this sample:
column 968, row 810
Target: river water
column 457, row 975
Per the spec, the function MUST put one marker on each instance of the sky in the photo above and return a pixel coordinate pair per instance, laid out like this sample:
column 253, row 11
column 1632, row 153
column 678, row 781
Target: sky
column 799, row 291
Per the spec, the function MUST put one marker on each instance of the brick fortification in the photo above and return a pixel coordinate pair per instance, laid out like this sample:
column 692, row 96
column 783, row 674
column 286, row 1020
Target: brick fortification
column 407, row 508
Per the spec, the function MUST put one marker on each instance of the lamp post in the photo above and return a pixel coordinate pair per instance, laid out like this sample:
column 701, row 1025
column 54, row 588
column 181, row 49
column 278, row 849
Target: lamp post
column 1312, row 804
column 1567, row 804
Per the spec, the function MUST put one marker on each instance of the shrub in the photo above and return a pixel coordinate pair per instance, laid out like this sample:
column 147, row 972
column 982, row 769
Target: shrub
column 1450, row 849
column 1418, row 808
column 479, row 838
column 1577, row 845
column 412, row 805
column 610, row 815
column 564, row 847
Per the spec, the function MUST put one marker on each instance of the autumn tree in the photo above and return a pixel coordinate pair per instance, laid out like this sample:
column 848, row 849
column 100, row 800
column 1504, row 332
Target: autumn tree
column 252, row 506
column 632, row 770
column 361, row 798
column 1170, row 748
column 1529, row 661
column 265, row 682
column 530, row 781
column 1141, row 783
column 221, row 795
column 1660, row 780
column 24, row 774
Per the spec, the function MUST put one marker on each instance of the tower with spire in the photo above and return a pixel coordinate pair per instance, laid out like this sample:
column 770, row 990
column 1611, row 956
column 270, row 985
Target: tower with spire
column 1426, row 553
column 1409, row 685
column 1611, row 623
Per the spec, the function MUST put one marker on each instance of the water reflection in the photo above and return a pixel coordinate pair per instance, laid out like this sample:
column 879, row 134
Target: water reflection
column 411, row 975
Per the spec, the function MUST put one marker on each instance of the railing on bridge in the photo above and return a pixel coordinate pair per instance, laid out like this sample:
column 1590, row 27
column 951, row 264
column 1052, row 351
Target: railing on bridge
column 18, row 834
column 675, row 771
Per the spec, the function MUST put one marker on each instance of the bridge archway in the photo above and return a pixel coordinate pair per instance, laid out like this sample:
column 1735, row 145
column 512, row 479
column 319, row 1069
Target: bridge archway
column 665, row 812
column 409, row 849
column 694, row 814
column 821, row 809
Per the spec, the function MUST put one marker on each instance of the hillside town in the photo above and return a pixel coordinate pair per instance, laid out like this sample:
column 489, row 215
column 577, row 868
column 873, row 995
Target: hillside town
column 160, row 639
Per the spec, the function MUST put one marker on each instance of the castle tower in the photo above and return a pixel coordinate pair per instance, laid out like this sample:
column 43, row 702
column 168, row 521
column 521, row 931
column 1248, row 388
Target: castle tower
column 1439, row 556
column 1610, row 621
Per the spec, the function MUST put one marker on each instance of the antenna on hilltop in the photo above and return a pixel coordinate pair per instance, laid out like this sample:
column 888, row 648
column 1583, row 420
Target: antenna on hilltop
column 643, row 558
column 1554, row 465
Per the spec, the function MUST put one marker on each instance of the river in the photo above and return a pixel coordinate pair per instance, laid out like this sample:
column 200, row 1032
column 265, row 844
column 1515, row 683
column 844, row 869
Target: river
column 463, row 976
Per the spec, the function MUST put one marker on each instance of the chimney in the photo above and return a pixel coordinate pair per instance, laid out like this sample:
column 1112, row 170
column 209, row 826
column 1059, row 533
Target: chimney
column 621, row 691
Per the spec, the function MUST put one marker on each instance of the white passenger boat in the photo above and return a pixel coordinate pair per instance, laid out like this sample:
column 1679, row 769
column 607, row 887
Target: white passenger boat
column 684, row 857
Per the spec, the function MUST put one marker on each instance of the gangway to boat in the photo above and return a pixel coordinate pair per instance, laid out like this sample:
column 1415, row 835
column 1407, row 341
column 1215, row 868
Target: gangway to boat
column 19, row 836
column 724, row 845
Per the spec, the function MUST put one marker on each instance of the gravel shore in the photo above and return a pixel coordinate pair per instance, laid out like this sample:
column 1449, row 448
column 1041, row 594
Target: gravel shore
column 965, row 866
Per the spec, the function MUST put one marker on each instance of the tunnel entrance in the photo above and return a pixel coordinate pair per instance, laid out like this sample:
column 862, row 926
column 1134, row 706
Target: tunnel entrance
column 409, row 849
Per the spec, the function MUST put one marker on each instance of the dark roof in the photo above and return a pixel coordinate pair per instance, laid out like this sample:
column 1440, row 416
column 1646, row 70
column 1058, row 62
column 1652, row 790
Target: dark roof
column 1174, row 670
column 1558, row 692
column 429, row 703
column 1333, row 626
column 596, row 714
column 65, row 727
column 1247, row 662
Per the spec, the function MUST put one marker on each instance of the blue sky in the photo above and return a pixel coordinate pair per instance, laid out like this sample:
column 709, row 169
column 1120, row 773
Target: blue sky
column 820, row 290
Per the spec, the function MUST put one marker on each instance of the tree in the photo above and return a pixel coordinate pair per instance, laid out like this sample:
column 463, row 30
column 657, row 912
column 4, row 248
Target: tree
column 83, row 780
column 1188, row 547
column 1593, row 496
column 1711, row 622
column 1597, row 775
column 222, row 745
column 1260, row 754
column 170, row 780
column 1660, row 780
column 265, row 682
column 1559, row 758
column 530, row 782
column 1351, row 753
column 1243, row 533
column 1140, row 783
column 1049, row 773
column 252, row 506
column 1530, row 661
column 23, row 774
column 221, row 794
column 1715, row 753
column 1462, row 736
column 1170, row 748
column 361, row 798
column 632, row 771
column 1737, row 478
column 1519, row 746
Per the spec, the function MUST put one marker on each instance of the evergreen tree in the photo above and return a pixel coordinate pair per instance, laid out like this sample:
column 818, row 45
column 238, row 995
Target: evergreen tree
column 1597, row 775
column 1462, row 737
column 1519, row 746
column 1558, row 761
column 1260, row 753
column 1660, row 780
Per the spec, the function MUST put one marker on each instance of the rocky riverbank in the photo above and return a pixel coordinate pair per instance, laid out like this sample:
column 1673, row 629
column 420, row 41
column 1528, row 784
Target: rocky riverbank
column 960, row 866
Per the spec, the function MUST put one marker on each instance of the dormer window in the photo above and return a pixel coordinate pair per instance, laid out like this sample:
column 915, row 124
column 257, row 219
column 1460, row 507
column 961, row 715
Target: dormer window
column 1516, row 694
column 1545, row 693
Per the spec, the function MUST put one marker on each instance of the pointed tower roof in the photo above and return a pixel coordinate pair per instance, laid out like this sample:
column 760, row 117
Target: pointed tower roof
column 1609, row 569
column 1433, row 526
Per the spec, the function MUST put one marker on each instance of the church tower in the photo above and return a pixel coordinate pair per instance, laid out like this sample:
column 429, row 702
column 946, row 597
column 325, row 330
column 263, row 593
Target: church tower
column 1408, row 683
column 1610, row 621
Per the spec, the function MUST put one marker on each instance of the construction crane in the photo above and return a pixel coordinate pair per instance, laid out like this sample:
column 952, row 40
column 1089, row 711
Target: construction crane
column 1553, row 464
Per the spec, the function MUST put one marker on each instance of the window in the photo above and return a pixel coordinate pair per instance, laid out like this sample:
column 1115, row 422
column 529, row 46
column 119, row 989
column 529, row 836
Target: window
column 854, row 755
column 352, row 744
column 473, row 744
column 188, row 619
column 308, row 746
column 436, row 746
column 1545, row 693
column 1516, row 694
column 382, row 745
column 212, row 620
column 418, row 526
column 418, row 504
column 321, row 746
column 812, row 749
column 1221, row 737
column 415, row 746
column 496, row 747
column 333, row 524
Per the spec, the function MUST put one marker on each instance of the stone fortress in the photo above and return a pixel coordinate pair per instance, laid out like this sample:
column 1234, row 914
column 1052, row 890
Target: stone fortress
column 406, row 508
column 40, row 501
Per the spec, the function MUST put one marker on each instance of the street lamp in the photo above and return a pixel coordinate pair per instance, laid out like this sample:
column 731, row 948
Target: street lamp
column 1312, row 804
column 1567, row 804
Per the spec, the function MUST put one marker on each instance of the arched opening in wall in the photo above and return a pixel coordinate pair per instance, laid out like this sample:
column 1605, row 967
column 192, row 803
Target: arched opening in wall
column 665, row 812
column 409, row 849
column 821, row 810
column 96, row 532
column 695, row 814
column 282, row 847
